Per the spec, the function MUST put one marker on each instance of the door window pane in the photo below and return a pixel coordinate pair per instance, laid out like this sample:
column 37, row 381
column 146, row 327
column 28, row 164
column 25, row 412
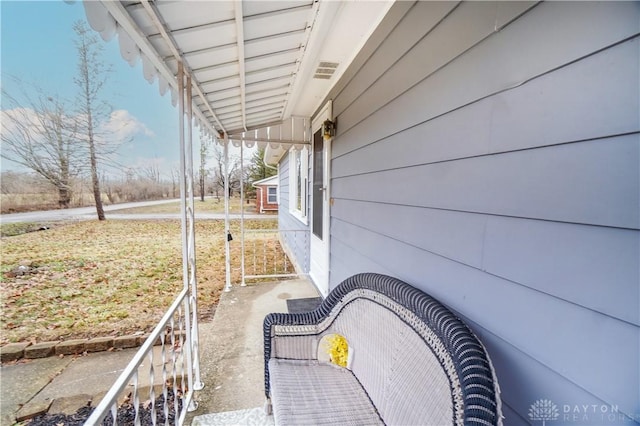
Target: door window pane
column 298, row 181
column 318, row 183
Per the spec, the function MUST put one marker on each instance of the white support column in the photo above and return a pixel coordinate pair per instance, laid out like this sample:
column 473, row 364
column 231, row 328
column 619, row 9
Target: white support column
column 242, row 212
column 183, row 178
column 193, row 282
column 227, row 253
column 186, row 194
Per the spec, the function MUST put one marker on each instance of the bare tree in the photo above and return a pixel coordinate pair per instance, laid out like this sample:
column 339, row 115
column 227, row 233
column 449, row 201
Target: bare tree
column 233, row 170
column 107, row 184
column 91, row 78
column 202, row 173
column 150, row 171
column 10, row 182
column 42, row 138
column 175, row 181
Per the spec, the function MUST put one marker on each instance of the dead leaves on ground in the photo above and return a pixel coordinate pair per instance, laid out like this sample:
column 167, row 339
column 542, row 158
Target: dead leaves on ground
column 103, row 278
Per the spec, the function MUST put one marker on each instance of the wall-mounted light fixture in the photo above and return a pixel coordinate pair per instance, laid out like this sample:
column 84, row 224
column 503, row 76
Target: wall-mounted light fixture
column 328, row 129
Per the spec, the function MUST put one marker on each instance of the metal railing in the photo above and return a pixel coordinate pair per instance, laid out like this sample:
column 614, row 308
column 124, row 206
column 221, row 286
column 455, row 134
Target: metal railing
column 175, row 337
column 265, row 255
column 177, row 332
column 142, row 393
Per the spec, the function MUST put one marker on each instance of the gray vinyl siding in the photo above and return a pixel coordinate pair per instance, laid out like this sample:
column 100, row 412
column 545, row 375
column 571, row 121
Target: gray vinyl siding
column 297, row 243
column 488, row 153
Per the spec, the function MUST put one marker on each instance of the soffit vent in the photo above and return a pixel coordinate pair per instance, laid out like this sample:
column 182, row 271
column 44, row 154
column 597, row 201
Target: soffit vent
column 325, row 70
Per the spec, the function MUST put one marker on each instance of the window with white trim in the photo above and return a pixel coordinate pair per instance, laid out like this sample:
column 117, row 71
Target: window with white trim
column 272, row 195
column 298, row 182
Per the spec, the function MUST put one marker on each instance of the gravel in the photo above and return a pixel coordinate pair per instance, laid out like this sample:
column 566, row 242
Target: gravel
column 126, row 415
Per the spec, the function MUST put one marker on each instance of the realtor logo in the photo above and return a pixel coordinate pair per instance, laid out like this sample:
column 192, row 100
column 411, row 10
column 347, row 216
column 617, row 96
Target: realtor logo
column 543, row 409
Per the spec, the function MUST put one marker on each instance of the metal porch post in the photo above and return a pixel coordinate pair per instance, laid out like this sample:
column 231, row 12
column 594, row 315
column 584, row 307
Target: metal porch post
column 243, row 284
column 187, row 224
column 184, row 225
column 227, row 239
column 193, row 282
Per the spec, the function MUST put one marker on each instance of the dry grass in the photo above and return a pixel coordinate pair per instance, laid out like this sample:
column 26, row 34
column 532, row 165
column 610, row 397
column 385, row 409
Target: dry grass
column 104, row 278
column 25, row 202
column 11, row 203
column 209, row 205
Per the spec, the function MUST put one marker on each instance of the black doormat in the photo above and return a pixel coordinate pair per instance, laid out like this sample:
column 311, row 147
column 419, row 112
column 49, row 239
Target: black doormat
column 298, row 306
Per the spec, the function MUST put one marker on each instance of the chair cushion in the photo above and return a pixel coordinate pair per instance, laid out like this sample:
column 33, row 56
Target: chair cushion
column 401, row 373
column 313, row 392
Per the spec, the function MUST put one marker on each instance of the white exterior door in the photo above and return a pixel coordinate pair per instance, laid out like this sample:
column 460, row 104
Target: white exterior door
column 320, row 197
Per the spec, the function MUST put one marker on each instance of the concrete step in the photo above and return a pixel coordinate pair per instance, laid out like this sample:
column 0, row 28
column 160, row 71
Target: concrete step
column 63, row 384
column 251, row 417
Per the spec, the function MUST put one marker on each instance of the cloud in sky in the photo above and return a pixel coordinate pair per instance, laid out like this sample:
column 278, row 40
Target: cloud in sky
column 119, row 127
column 12, row 119
column 122, row 126
column 140, row 114
column 22, row 127
column 113, row 133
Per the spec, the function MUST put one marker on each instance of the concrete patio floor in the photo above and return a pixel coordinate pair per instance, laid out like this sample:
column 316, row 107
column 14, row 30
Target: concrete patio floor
column 231, row 346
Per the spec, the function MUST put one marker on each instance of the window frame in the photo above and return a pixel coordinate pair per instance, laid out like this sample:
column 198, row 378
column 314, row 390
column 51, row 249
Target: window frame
column 274, row 195
column 299, row 176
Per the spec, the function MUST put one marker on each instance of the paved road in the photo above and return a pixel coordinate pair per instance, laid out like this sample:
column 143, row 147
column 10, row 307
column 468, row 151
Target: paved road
column 87, row 213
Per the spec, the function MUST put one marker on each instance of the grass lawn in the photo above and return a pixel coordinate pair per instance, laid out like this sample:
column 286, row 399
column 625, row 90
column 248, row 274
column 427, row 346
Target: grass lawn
column 95, row 278
column 209, row 205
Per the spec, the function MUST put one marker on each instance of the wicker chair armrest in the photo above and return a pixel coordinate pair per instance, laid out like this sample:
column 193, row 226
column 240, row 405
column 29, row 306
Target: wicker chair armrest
column 304, row 347
column 279, row 330
column 293, row 336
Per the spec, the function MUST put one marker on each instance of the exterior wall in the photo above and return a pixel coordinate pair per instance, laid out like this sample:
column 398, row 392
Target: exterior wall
column 488, row 153
column 296, row 243
column 262, row 200
column 259, row 199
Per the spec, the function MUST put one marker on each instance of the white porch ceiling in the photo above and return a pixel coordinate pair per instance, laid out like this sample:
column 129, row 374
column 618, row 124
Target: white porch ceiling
column 252, row 63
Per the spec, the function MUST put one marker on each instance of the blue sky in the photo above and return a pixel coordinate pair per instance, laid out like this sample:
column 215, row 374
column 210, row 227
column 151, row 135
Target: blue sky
column 37, row 46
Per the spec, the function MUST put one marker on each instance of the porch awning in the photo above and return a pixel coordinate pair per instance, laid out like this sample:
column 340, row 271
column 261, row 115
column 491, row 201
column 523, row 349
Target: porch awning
column 259, row 69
